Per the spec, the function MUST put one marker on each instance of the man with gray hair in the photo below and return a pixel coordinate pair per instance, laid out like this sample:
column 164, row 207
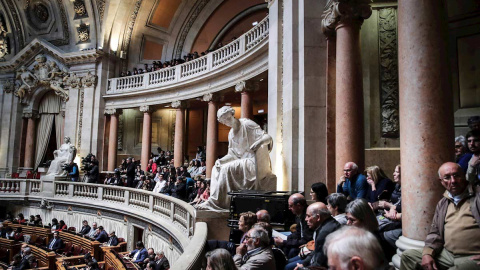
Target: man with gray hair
column 353, row 248
column 352, row 184
column 161, row 262
column 321, row 221
column 255, row 251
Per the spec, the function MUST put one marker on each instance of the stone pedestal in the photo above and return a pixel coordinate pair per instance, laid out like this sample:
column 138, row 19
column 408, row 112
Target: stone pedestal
column 48, row 184
column 217, row 224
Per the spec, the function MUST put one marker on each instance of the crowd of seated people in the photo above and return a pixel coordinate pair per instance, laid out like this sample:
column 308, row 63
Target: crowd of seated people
column 186, row 183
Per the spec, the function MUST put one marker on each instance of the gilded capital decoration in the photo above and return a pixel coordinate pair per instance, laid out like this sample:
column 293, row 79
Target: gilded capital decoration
column 339, row 12
column 80, row 9
column 145, row 109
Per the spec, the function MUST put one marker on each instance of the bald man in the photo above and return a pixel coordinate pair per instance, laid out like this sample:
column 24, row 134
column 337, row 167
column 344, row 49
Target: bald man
column 263, row 216
column 320, row 220
column 298, row 205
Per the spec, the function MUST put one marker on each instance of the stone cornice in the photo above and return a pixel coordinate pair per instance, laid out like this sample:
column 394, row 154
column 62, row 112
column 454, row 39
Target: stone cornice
column 38, row 46
column 338, row 12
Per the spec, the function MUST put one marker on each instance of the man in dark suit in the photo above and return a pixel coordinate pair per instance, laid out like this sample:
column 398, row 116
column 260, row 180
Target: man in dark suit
column 140, row 254
column 102, row 236
column 130, row 172
column 85, row 228
column 113, row 240
column 161, row 262
column 93, row 173
column 19, row 263
column 56, row 243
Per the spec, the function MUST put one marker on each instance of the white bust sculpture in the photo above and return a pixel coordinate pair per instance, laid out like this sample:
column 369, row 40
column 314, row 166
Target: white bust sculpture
column 246, row 165
column 64, row 155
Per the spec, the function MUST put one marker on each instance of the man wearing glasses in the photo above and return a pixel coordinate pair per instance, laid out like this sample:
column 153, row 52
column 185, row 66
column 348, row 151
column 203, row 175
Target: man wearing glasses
column 450, row 242
column 352, row 184
column 255, row 252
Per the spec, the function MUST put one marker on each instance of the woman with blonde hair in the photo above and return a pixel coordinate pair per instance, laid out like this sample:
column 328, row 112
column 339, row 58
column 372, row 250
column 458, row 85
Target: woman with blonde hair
column 380, row 186
column 360, row 214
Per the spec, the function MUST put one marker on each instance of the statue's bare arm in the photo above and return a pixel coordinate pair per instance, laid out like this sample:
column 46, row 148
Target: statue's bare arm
column 264, row 140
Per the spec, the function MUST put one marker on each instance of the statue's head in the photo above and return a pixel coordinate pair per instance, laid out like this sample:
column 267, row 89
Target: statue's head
column 66, row 139
column 225, row 115
column 40, row 58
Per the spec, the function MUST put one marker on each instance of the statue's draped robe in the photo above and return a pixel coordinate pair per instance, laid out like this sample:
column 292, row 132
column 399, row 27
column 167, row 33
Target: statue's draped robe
column 65, row 154
column 238, row 174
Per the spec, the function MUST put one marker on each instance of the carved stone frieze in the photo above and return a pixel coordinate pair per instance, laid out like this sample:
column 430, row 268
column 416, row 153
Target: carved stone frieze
column 80, row 9
column 338, row 12
column 130, row 25
column 387, row 35
column 197, row 9
column 101, row 8
column 4, row 49
column 83, row 33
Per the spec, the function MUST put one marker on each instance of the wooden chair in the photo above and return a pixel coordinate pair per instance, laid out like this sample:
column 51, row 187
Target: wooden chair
column 76, row 250
column 41, row 241
column 33, row 239
column 67, row 249
column 72, row 229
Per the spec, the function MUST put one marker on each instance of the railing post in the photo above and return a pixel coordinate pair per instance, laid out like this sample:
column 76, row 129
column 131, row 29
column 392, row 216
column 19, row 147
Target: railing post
column 146, row 80
column 100, row 193
column 113, row 85
column 209, row 61
column 188, row 223
column 178, row 72
column 172, row 211
column 23, row 188
column 150, row 200
column 127, row 197
column 71, row 188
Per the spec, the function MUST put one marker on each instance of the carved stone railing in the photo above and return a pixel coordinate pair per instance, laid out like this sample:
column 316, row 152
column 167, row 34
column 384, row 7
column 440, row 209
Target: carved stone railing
column 179, row 214
column 202, row 66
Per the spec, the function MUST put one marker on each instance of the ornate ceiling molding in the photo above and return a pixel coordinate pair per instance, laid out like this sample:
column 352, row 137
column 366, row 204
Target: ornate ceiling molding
column 38, row 46
column 131, row 23
column 17, row 25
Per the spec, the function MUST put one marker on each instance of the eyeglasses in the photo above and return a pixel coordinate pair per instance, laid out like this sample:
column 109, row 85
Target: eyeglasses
column 349, row 170
column 448, row 177
column 248, row 237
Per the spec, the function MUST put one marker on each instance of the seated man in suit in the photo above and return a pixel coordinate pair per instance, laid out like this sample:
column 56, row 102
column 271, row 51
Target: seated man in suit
column 255, row 252
column 161, row 262
column 56, row 243
column 85, row 228
column 19, row 263
column 102, row 236
column 140, row 254
column 113, row 240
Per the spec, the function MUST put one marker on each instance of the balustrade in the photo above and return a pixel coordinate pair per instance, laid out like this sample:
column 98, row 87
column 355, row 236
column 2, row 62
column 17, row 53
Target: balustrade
column 85, row 191
column 61, row 189
column 194, row 68
column 117, row 195
column 9, row 186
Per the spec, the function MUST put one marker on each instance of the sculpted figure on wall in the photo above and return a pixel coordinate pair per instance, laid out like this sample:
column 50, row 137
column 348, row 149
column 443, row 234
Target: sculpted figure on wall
column 246, row 165
column 3, row 40
column 63, row 156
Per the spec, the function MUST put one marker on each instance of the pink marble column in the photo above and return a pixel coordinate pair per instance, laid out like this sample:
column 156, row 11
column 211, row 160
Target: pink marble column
column 332, row 173
column 212, row 133
column 426, row 110
column 179, row 133
column 247, row 105
column 30, row 140
column 146, row 136
column 112, row 139
column 344, row 19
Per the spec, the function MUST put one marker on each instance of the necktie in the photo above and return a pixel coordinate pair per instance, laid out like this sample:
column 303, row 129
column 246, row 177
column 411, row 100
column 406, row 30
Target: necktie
column 53, row 242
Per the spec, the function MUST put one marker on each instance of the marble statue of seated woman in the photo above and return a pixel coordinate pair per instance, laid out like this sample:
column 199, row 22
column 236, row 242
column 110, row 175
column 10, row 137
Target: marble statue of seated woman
column 64, row 155
column 246, row 165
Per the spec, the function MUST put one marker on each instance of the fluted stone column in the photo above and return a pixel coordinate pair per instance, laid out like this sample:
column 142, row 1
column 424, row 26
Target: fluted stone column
column 212, row 132
column 246, row 89
column 30, row 140
column 426, row 114
column 146, row 136
column 179, row 133
column 112, row 138
column 346, row 17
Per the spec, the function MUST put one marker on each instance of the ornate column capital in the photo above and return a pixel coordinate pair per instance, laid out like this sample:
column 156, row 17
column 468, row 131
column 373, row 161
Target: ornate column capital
column 89, row 80
column 179, row 104
column 245, row 86
column 8, row 86
column 210, row 97
column 339, row 12
column 112, row 111
column 146, row 109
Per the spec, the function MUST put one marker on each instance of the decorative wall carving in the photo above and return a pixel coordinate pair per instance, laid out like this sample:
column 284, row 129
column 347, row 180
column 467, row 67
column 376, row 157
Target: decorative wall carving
column 387, row 36
column 3, row 39
column 8, row 86
column 80, row 9
column 186, row 28
column 344, row 11
column 16, row 22
column 101, row 8
column 80, row 118
column 83, row 33
column 89, row 80
column 121, row 121
column 130, row 25
column 41, row 12
column 66, row 33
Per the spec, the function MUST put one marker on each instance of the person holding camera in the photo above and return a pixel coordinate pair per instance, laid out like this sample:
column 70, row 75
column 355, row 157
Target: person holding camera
column 93, row 173
column 74, row 173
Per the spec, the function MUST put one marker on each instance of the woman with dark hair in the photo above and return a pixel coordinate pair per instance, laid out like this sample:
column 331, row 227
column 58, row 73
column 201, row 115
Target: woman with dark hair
column 54, row 225
column 319, row 192
column 21, row 219
column 337, row 202
column 62, row 226
column 360, row 214
column 220, row 259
